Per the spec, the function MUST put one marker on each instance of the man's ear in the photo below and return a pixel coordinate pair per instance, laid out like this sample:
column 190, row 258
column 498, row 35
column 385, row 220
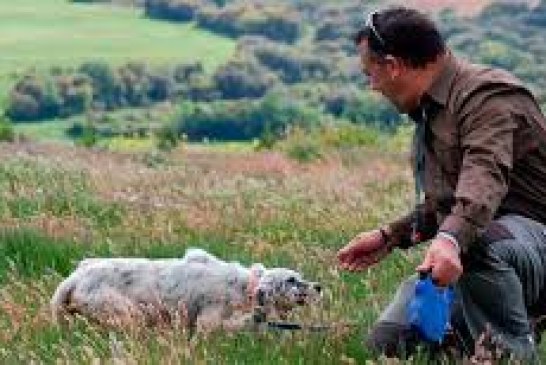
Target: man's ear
column 394, row 65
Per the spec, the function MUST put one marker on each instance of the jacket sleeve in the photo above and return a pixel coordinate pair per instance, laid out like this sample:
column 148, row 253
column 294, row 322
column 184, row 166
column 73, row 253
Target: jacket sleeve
column 486, row 138
column 402, row 229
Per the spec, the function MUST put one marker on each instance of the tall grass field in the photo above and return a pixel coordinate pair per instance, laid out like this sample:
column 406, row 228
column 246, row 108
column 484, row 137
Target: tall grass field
column 61, row 203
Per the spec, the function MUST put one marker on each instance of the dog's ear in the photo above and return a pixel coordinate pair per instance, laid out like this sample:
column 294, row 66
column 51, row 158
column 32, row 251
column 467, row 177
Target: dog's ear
column 258, row 270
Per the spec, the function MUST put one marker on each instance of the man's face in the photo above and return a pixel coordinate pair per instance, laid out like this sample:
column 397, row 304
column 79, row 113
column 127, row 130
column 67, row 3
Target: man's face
column 385, row 75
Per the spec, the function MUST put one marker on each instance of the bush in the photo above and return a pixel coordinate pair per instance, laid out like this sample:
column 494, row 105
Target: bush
column 311, row 144
column 34, row 98
column 179, row 10
column 187, row 72
column 64, row 93
column 6, row 130
column 276, row 22
column 85, row 134
column 243, row 78
column 293, row 67
column 362, row 107
column 201, row 88
column 167, row 138
column 243, row 120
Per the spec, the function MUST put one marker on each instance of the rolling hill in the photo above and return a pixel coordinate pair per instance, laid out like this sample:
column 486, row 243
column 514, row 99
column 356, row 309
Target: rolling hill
column 44, row 33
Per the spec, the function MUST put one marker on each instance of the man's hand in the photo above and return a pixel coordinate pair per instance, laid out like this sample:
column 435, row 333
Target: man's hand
column 442, row 260
column 364, row 250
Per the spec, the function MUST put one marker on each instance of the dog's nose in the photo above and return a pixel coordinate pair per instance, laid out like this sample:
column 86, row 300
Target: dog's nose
column 317, row 287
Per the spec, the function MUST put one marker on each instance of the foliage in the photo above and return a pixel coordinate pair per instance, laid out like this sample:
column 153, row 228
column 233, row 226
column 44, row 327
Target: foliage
column 243, row 120
column 167, row 138
column 88, row 136
column 301, row 147
column 96, row 85
column 293, row 66
column 180, row 10
column 306, row 146
column 362, row 107
column 317, row 67
column 243, row 78
column 6, row 130
column 276, row 22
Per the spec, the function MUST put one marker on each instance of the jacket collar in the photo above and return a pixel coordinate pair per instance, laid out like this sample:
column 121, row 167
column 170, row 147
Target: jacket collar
column 440, row 88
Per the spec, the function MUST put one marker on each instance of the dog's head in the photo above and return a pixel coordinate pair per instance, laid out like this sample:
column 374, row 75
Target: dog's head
column 283, row 289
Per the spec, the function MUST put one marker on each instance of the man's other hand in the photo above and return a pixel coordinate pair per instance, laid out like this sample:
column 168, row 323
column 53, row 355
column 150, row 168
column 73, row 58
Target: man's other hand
column 364, row 250
column 442, row 260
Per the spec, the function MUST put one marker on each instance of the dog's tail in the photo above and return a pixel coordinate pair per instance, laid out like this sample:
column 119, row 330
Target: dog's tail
column 61, row 300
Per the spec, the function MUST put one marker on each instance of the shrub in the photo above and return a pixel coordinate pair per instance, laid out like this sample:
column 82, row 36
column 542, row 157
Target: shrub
column 243, row 120
column 85, row 134
column 243, row 78
column 6, row 130
column 292, row 66
column 179, row 10
column 362, row 107
column 276, row 22
column 34, row 98
column 167, row 138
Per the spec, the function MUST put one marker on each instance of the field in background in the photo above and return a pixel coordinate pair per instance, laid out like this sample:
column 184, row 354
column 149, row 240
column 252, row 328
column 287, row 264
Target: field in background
column 44, row 33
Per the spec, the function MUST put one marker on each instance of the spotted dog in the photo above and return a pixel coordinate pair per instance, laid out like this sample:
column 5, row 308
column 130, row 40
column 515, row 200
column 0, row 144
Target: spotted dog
column 200, row 290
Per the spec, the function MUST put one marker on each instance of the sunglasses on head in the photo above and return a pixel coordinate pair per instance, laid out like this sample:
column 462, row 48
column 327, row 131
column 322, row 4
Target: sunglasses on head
column 370, row 24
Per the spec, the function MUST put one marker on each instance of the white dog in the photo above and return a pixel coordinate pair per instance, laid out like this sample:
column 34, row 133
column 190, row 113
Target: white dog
column 200, row 289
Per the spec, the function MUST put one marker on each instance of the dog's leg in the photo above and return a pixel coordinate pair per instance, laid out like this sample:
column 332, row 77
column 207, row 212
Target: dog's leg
column 238, row 321
column 209, row 319
column 109, row 307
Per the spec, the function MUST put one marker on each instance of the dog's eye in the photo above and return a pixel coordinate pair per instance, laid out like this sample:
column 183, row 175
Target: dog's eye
column 291, row 280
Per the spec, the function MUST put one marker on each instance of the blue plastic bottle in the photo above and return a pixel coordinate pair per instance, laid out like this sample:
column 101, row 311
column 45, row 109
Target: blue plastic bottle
column 429, row 311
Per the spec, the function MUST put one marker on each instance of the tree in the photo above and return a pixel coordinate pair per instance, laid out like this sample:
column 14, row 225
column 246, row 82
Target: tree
column 243, row 78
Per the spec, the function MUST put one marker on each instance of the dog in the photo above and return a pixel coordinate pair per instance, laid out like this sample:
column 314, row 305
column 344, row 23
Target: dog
column 200, row 290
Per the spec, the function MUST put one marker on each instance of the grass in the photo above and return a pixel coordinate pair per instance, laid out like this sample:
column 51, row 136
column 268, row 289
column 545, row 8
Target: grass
column 40, row 34
column 240, row 205
column 51, row 130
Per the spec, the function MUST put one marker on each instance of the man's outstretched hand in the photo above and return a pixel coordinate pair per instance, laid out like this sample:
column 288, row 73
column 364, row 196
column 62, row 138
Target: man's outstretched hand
column 363, row 251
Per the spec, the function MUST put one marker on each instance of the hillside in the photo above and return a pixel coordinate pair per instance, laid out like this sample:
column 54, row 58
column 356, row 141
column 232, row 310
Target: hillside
column 463, row 7
column 41, row 34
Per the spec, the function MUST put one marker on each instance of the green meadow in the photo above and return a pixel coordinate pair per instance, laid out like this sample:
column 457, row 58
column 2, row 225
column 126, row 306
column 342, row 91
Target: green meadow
column 40, row 34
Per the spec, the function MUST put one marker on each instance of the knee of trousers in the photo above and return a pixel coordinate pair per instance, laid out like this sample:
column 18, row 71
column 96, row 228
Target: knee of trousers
column 390, row 339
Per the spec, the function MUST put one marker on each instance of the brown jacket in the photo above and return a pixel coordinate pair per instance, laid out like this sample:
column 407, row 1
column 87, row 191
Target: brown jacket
column 485, row 154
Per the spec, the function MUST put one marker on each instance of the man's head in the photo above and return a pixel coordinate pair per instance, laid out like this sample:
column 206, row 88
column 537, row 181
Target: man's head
column 399, row 48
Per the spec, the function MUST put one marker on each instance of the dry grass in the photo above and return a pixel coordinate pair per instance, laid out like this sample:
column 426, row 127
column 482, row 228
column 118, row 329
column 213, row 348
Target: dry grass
column 245, row 206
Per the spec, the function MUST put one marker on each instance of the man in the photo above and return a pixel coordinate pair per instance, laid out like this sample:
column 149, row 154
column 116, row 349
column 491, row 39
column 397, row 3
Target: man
column 480, row 158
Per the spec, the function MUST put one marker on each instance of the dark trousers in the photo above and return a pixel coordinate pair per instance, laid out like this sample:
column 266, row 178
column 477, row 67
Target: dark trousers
column 501, row 292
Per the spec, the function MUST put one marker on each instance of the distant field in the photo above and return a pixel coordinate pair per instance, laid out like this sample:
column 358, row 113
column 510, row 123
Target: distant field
column 44, row 33
column 48, row 130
